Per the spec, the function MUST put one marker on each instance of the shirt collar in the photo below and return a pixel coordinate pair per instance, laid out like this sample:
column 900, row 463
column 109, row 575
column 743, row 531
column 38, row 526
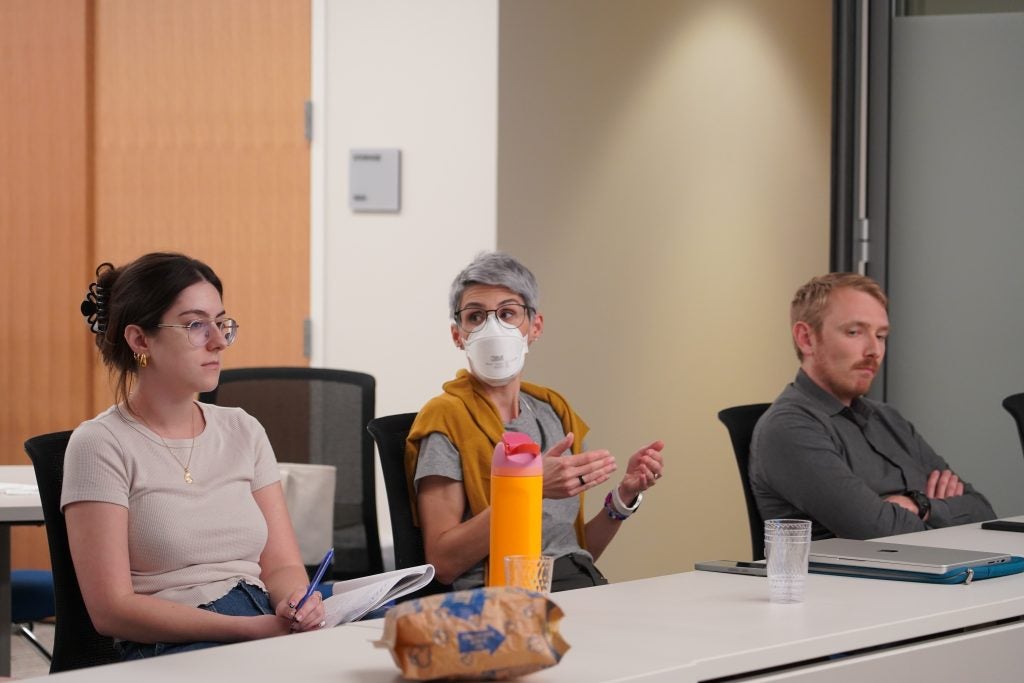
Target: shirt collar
column 832, row 405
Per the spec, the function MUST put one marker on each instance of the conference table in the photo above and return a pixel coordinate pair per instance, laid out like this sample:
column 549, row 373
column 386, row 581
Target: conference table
column 699, row 626
column 18, row 505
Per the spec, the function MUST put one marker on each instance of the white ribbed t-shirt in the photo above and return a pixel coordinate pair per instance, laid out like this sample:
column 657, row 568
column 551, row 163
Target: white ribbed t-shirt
column 190, row 543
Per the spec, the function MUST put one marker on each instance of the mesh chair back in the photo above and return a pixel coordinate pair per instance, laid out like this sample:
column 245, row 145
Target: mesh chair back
column 740, row 421
column 1014, row 405
column 390, row 434
column 76, row 643
column 319, row 416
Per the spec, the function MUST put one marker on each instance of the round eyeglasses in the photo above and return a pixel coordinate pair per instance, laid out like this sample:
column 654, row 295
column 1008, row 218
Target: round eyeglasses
column 472, row 318
column 200, row 331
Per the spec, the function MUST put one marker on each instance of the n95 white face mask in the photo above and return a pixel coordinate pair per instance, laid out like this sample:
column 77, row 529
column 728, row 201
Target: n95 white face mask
column 496, row 353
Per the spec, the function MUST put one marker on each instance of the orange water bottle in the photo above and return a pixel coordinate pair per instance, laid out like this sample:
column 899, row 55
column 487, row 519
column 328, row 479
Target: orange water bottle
column 517, row 495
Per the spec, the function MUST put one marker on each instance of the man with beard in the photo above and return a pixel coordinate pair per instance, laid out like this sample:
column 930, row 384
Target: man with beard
column 855, row 467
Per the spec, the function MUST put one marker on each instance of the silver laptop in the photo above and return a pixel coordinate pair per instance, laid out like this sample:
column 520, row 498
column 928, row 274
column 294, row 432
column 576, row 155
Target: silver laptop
column 910, row 558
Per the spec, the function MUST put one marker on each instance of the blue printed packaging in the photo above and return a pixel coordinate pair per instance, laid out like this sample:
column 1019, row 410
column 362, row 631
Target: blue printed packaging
column 483, row 634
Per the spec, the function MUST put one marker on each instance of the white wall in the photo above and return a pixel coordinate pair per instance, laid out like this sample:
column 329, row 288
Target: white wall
column 421, row 77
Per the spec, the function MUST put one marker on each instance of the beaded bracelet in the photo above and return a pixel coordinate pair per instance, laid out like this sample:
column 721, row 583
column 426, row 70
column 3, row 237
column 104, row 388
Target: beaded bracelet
column 618, row 510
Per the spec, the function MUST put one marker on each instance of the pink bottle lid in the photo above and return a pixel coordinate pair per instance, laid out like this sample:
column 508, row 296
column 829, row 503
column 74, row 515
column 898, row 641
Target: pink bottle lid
column 516, row 455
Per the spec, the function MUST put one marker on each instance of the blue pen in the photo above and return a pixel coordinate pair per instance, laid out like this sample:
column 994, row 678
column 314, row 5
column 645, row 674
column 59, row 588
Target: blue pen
column 315, row 583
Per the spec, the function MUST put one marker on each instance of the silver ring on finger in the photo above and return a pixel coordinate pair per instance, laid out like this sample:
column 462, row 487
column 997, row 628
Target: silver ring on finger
column 583, row 482
column 321, row 624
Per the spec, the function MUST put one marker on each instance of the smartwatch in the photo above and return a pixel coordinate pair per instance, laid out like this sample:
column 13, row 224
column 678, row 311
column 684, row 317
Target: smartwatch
column 924, row 506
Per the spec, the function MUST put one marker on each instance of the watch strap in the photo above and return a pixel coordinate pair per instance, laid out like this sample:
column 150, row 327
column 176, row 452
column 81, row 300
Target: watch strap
column 924, row 505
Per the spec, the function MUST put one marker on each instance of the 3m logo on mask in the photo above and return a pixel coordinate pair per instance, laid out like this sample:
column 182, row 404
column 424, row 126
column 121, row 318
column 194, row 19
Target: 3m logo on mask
column 496, row 354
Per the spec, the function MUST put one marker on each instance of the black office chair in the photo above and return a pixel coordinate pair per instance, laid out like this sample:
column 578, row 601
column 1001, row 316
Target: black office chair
column 1014, row 405
column 390, row 433
column 319, row 416
column 32, row 601
column 76, row 644
column 740, row 421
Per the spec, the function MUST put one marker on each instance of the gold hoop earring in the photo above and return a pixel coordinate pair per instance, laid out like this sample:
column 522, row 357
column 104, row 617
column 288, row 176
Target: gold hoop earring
column 141, row 359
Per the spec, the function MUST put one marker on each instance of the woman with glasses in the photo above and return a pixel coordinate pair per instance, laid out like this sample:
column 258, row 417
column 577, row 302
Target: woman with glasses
column 493, row 304
column 175, row 516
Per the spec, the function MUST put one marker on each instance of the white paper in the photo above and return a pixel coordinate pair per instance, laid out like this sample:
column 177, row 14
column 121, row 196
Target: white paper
column 353, row 598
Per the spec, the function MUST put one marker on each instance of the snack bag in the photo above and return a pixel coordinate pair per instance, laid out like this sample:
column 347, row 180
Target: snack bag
column 482, row 634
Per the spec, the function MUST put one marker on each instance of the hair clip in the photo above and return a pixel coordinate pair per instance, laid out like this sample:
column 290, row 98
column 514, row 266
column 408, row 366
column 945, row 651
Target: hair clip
column 94, row 308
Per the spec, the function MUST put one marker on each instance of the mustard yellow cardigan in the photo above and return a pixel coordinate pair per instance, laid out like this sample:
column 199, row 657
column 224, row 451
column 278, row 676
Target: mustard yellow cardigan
column 472, row 423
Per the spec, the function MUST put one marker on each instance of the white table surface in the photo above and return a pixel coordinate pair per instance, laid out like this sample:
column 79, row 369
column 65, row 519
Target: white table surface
column 19, row 508
column 684, row 627
column 14, row 509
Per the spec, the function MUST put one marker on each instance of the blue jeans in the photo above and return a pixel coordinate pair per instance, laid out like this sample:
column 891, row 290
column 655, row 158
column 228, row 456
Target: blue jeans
column 243, row 600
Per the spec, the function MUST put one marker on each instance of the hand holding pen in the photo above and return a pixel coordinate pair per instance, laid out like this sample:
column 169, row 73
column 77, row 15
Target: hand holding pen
column 298, row 616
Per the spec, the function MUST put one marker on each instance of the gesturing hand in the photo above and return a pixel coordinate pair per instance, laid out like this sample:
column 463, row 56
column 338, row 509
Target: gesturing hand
column 644, row 469
column 570, row 475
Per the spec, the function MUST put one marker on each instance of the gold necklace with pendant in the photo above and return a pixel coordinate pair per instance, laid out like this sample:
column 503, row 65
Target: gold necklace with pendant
column 191, row 449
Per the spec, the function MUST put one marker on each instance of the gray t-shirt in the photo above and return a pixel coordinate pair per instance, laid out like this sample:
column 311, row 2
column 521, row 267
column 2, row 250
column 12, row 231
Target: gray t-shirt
column 439, row 457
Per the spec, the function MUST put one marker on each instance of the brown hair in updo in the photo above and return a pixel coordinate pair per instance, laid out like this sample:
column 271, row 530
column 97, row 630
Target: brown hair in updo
column 138, row 293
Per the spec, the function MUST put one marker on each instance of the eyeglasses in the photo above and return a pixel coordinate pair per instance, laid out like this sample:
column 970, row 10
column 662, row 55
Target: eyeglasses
column 472, row 318
column 199, row 331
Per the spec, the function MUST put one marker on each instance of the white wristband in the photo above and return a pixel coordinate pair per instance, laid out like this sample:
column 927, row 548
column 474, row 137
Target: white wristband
column 622, row 508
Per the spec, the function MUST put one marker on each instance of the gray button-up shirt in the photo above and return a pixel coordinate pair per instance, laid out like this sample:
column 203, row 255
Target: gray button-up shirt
column 814, row 458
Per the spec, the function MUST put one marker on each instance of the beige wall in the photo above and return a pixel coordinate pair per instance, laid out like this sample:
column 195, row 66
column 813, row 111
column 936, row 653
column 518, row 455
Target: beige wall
column 663, row 167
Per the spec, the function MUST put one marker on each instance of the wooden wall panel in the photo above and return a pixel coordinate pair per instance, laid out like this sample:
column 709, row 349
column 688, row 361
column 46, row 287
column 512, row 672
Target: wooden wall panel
column 200, row 149
column 127, row 127
column 44, row 230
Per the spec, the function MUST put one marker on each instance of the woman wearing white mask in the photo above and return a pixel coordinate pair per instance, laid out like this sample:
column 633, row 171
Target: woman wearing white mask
column 493, row 303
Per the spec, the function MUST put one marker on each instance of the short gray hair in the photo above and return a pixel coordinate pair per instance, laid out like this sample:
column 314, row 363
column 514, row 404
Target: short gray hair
column 498, row 270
